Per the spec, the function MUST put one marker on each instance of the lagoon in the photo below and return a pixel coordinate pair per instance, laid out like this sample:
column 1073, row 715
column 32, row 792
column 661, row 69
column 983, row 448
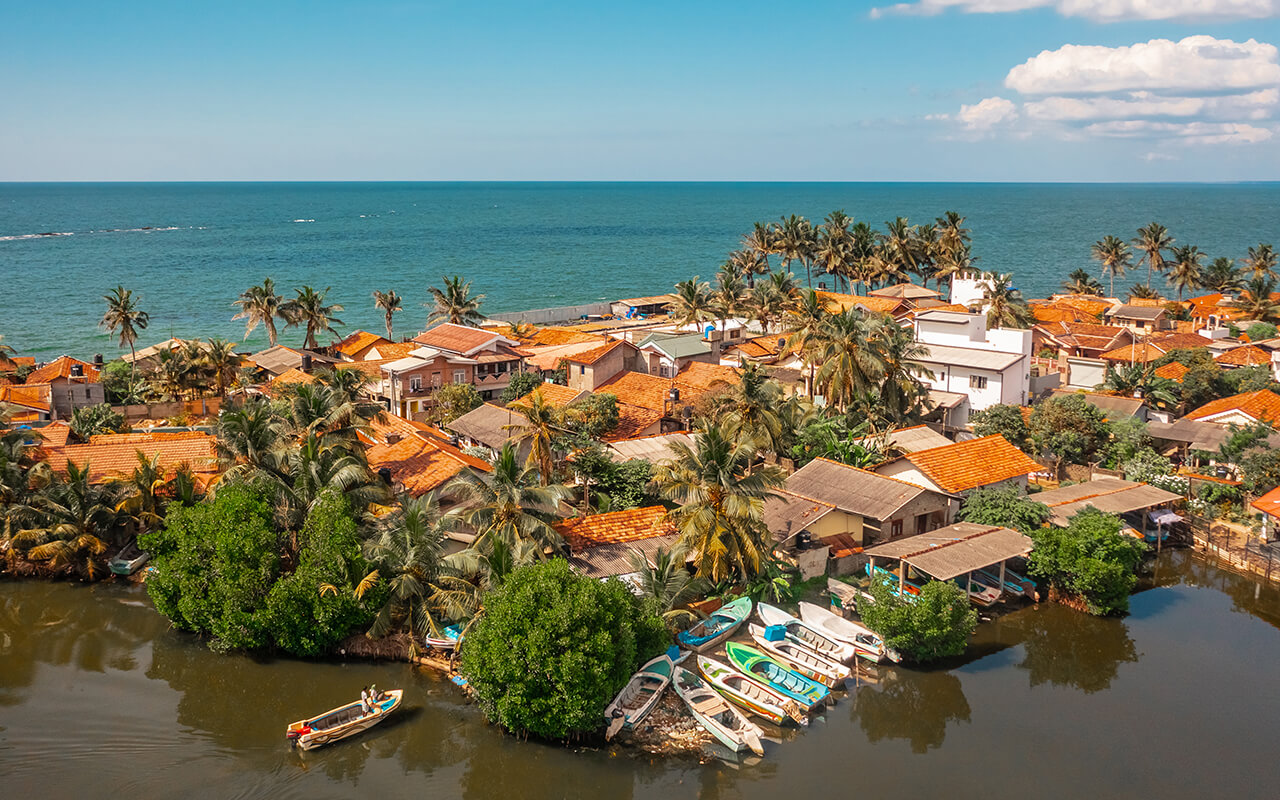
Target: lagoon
column 1177, row 700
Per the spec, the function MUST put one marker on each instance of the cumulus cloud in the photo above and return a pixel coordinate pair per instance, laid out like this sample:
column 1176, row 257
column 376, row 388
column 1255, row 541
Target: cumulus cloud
column 1100, row 10
column 1197, row 91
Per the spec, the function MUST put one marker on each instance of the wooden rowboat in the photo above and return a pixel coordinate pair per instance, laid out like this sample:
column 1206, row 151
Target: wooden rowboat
column 751, row 694
column 826, row 646
column 341, row 722
column 129, row 560
column 447, row 640
column 801, row 659
column 1014, row 583
column 640, row 695
column 707, row 634
column 714, row 713
column 755, row 664
column 868, row 644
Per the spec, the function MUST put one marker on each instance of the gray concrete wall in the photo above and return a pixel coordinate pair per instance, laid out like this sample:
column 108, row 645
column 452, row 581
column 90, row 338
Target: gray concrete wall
column 546, row 316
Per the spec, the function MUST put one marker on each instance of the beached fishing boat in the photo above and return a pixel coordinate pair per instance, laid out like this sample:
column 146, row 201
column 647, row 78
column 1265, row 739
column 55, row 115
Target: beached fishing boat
column 980, row 592
column 755, row 664
column 751, row 694
column 707, row 634
column 779, row 644
column 1014, row 583
column 640, row 695
column 912, row 589
column 812, row 638
column 714, row 713
column 866, row 642
column 447, row 640
column 341, row 722
column 129, row 560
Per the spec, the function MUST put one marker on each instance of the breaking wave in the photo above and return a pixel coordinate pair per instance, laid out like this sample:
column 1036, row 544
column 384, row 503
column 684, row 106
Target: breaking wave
column 143, row 229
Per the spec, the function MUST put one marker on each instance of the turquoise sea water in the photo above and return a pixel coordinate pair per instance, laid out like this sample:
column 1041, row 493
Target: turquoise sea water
column 189, row 249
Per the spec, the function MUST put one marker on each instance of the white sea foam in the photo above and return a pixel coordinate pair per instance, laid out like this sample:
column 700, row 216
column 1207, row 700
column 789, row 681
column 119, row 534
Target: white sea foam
column 19, row 237
column 144, row 229
column 304, row 220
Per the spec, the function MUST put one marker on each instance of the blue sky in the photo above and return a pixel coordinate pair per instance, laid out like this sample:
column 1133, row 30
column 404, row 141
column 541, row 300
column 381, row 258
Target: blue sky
column 1090, row 90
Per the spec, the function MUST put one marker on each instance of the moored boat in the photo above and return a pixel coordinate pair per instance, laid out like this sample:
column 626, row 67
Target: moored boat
column 775, row 675
column 447, row 640
column 705, row 635
column 341, row 722
column 896, row 585
column 777, row 642
column 980, row 592
column 868, row 644
column 129, row 560
column 1014, row 583
column 640, row 695
column 812, row 638
column 751, row 694
column 714, row 713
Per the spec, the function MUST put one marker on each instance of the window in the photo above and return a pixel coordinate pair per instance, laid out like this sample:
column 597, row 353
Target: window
column 895, row 530
column 459, row 376
column 582, row 369
column 977, row 381
column 415, row 383
column 502, row 366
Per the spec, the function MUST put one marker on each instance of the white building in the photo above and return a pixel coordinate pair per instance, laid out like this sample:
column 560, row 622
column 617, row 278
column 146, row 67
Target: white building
column 989, row 367
column 969, row 289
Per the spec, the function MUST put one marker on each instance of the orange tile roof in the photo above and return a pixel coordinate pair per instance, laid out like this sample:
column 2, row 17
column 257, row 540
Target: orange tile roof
column 759, row 347
column 421, row 464
column 553, row 394
column 1248, row 356
column 1183, row 341
column 1261, row 405
column 1089, row 304
column 455, row 338
column 61, row 368
column 640, row 389
column 836, row 301
column 593, row 355
column 1054, row 312
column 37, row 396
column 1143, row 353
column 395, row 350
column 706, row 376
column 633, row 421
column 615, row 527
column 1269, row 503
column 13, row 362
column 553, row 336
column 358, row 342
column 55, row 434
column 977, row 462
column 293, row 376
column 116, row 455
column 370, row 367
column 1173, row 371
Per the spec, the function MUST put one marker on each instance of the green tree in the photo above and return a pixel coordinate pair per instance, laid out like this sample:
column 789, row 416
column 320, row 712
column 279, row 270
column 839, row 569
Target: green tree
column 521, row 384
column 693, row 304
column 121, row 384
column 260, row 305
column 87, row 421
column 1089, row 562
column 1005, row 306
column 1153, row 240
column 124, row 319
column 452, row 401
column 1221, row 276
column 1113, row 254
column 1069, row 428
column 1261, row 261
column 1187, row 271
column 1005, row 420
column 1259, row 331
column 593, row 416
column 1257, row 301
column 1081, row 282
column 667, row 581
column 455, row 303
column 71, row 521
column 796, row 240
column 1260, row 469
column 389, row 303
column 936, row 624
column 1004, row 506
column 309, row 311
column 510, row 504
column 553, row 648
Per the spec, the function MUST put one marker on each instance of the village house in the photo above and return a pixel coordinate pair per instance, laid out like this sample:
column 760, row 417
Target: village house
column 72, row 384
column 115, row 455
column 279, row 359
column 664, row 354
column 358, row 345
column 1085, row 339
column 1139, row 319
column 986, row 367
column 602, row 545
column 1241, row 409
column 453, row 354
column 31, row 402
column 955, row 469
column 413, row 457
column 1246, row 356
column 589, row 369
column 648, row 404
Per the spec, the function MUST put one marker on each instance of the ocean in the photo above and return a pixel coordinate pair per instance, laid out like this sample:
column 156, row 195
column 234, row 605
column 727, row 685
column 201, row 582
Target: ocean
column 189, row 249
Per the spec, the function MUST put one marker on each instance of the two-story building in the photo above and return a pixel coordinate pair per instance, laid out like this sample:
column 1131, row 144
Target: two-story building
column 72, row 384
column 449, row 353
column 988, row 367
column 959, row 468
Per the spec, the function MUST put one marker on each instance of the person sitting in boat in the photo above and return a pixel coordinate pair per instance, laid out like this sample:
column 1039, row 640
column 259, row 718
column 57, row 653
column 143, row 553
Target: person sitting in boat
column 364, row 700
column 375, row 699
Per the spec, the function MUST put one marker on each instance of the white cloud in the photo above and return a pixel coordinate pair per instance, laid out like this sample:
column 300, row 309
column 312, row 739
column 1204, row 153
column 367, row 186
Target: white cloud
column 1187, row 132
column 1101, row 10
column 1158, row 156
column 987, row 114
column 1253, row 105
column 1194, row 64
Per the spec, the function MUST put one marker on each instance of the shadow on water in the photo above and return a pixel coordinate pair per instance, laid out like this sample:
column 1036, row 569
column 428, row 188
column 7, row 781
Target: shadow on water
column 916, row 706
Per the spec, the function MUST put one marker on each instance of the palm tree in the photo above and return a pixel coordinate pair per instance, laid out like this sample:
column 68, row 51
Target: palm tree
column 221, row 361
column 74, row 515
column 1153, row 240
column 693, row 303
column 1005, row 306
column 665, row 579
column 1140, row 380
column 1081, row 282
column 900, row 246
column 407, row 552
column 795, row 241
column 1114, row 255
column 141, row 495
column 765, row 305
column 308, row 309
column 454, row 303
column 803, row 321
column 849, row 365
column 749, row 409
column 1261, row 261
column 389, row 302
column 123, row 320
column 834, row 246
column 721, row 501
column 761, row 243
column 5, row 350
column 1142, row 292
column 260, row 305
column 509, row 505
column 1187, row 269
column 901, row 367
column 1222, row 276
column 542, row 427
column 862, row 252
column 953, row 242
column 1256, row 302
column 729, row 299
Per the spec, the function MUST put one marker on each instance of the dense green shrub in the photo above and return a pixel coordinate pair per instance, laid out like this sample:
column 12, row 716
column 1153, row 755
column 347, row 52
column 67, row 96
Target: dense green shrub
column 1004, row 506
column 552, row 648
column 1260, row 469
column 1069, row 428
column 452, row 401
column 593, row 416
column 937, row 624
column 1005, row 420
column 1089, row 560
column 521, row 384
column 91, row 420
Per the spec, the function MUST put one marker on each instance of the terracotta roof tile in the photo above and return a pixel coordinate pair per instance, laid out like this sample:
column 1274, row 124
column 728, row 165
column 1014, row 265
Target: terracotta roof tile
column 13, row 362
column 60, row 368
column 293, row 376
column 35, row 396
column 633, row 421
column 1248, row 356
column 1143, row 353
column 395, row 350
column 615, row 527
column 419, row 462
column 55, row 434
column 593, row 355
column 552, row 336
column 836, row 301
column 455, row 338
column 1269, row 503
column 1173, row 371
column 706, row 376
column 1261, row 405
column 1176, row 341
column 640, row 389
column 116, row 455
column 553, row 394
column 977, row 462
column 358, row 342
column 759, row 347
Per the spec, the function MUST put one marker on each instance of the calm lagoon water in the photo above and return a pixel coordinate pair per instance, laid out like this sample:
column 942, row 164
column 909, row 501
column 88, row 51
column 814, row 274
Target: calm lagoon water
column 190, row 249
column 1177, row 700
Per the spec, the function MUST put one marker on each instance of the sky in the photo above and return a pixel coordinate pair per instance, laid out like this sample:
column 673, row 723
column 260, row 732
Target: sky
column 925, row 90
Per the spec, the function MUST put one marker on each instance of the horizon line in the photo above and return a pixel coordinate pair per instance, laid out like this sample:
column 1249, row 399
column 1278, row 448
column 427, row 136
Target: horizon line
column 1219, row 182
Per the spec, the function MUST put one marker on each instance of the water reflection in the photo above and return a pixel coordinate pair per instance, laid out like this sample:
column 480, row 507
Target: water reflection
column 915, row 706
column 1067, row 648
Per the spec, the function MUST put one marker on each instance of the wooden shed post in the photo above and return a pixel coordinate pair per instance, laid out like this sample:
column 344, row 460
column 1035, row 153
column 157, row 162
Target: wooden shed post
column 1002, row 566
column 902, row 578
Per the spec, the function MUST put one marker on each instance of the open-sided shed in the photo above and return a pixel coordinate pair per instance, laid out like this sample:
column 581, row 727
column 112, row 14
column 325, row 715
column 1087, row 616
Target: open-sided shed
column 959, row 549
column 1112, row 495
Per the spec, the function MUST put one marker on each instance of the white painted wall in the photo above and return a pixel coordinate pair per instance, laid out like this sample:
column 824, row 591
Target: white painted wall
column 1011, row 385
column 1085, row 373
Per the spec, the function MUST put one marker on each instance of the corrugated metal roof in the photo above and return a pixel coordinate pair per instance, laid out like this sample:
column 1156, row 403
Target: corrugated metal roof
column 680, row 346
column 851, row 489
column 786, row 514
column 1111, row 495
column 648, row 448
column 956, row 549
column 607, row 560
column 966, row 357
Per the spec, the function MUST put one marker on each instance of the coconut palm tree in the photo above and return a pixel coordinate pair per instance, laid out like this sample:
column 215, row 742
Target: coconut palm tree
column 74, row 517
column 1187, row 269
column 454, row 303
column 1261, row 261
column 1256, row 301
column 862, row 252
column 953, row 247
column 665, row 578
column 141, row 495
column 222, row 364
column 1222, row 276
column 721, row 502
column 407, row 552
column 5, row 351
column 803, row 322
column 251, row 436
column 795, row 240
column 1081, row 282
column 123, row 320
column 750, row 409
column 765, row 304
column 389, row 303
column 1142, row 292
column 1005, row 306
column 761, row 242
column 833, row 247
column 1140, row 380
column 729, row 299
column 509, row 505
column 260, row 305
column 901, row 247
column 693, row 303
column 849, row 365
column 901, row 367
column 1153, row 240
column 350, row 384
column 308, row 309
column 542, row 428
column 1114, row 255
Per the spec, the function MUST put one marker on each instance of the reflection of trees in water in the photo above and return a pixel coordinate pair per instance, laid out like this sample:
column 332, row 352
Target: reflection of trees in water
column 915, row 706
column 92, row 629
column 1249, row 595
column 506, row 766
column 1068, row 648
